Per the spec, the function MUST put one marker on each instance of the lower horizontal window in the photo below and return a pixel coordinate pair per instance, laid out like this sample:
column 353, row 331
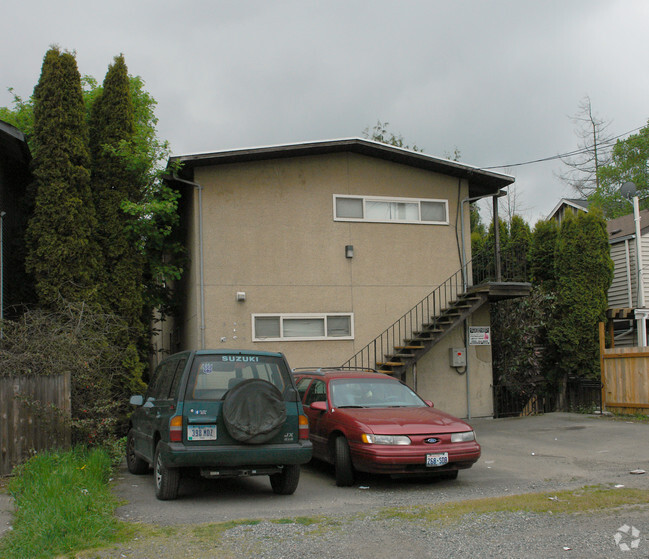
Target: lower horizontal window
column 331, row 326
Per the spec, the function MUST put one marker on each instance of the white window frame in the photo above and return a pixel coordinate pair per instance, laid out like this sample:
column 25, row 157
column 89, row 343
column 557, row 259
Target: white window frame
column 307, row 316
column 388, row 199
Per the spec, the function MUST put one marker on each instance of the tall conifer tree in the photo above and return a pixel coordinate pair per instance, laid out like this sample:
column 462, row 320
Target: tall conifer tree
column 114, row 180
column 62, row 255
column 584, row 271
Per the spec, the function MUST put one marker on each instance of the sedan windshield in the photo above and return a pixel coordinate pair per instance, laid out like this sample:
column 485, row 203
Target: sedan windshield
column 370, row 393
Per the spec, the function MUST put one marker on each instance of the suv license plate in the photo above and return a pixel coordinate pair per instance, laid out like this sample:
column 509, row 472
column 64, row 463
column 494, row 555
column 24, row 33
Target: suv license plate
column 434, row 460
column 202, row 433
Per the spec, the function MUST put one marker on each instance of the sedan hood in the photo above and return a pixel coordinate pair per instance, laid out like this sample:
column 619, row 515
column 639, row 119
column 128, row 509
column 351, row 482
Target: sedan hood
column 404, row 421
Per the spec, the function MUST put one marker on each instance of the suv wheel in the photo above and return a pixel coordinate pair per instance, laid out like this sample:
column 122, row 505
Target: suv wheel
column 134, row 463
column 285, row 483
column 167, row 480
column 343, row 463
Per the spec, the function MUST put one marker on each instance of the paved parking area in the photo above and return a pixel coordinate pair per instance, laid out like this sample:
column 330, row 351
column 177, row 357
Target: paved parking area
column 541, row 453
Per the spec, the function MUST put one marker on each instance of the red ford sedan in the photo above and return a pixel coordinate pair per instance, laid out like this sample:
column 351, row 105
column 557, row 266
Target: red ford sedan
column 371, row 422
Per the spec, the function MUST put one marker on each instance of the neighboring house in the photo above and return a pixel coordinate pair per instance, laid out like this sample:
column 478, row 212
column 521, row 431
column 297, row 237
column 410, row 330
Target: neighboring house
column 316, row 249
column 568, row 205
column 14, row 178
column 623, row 293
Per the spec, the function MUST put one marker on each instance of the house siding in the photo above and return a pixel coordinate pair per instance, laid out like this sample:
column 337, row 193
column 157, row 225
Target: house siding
column 625, row 277
column 269, row 231
column 621, row 294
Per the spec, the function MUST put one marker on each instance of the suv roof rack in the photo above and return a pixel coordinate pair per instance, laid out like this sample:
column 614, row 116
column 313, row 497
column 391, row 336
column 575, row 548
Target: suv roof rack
column 341, row 369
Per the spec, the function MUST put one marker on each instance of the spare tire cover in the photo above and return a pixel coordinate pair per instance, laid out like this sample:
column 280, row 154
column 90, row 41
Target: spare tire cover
column 254, row 411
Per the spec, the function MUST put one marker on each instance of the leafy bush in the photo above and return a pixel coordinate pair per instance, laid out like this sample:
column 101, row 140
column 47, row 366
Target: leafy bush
column 79, row 341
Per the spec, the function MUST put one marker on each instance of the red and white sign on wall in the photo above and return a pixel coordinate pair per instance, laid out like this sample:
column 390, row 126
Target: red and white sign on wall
column 479, row 335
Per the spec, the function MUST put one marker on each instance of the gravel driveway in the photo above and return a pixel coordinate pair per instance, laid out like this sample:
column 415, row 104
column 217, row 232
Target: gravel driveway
column 544, row 453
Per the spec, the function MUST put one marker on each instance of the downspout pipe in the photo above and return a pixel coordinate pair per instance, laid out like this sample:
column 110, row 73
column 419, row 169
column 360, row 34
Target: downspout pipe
column 201, row 266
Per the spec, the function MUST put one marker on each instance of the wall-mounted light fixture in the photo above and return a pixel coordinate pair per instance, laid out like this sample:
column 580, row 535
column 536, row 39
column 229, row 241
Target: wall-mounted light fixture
column 241, row 296
column 349, row 251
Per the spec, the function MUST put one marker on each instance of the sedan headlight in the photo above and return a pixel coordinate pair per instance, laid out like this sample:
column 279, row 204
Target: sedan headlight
column 465, row 437
column 386, row 439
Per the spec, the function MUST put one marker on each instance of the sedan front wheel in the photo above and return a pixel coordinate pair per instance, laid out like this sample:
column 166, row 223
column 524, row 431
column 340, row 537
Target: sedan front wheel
column 343, row 463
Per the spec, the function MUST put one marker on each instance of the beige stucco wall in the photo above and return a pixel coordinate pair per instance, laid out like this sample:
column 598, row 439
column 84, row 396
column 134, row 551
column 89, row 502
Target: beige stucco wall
column 269, row 231
column 446, row 386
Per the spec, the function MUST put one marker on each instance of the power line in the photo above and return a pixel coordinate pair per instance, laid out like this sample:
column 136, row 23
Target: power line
column 605, row 143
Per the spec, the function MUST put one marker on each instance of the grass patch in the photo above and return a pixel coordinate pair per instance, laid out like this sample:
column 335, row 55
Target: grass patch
column 213, row 532
column 640, row 417
column 62, row 504
column 585, row 500
column 591, row 499
column 302, row 520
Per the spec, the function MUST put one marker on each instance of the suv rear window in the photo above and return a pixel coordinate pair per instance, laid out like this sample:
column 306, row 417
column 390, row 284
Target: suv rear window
column 213, row 375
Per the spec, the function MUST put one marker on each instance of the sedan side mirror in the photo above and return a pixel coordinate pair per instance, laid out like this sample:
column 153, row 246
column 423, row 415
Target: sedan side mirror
column 319, row 406
column 429, row 404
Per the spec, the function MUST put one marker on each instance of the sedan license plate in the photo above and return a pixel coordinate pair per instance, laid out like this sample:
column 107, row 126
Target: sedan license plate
column 201, row 433
column 435, row 460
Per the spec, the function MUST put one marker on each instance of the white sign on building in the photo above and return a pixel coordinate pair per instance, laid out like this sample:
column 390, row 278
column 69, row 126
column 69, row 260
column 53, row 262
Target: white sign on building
column 479, row 335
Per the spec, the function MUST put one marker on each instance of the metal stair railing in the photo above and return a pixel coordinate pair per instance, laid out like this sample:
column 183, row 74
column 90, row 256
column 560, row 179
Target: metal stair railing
column 428, row 311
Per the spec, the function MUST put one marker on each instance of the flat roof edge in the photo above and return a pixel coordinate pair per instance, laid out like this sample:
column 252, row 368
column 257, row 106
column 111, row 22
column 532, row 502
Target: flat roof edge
column 489, row 179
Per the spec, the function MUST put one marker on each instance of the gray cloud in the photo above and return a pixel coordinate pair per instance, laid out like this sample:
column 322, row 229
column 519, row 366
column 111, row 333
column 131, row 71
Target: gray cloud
column 498, row 80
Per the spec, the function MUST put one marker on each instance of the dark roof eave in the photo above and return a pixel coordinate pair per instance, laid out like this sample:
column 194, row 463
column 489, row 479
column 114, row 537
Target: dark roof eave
column 13, row 143
column 481, row 182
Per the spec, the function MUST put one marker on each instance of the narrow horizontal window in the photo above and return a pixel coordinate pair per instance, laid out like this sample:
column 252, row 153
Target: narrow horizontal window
column 380, row 209
column 294, row 327
column 349, row 208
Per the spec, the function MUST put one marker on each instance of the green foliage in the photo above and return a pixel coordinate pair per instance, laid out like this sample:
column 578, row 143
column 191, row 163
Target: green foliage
column 519, row 236
column 115, row 179
column 62, row 254
column 541, row 254
column 155, row 231
column 629, row 162
column 21, row 116
column 584, row 271
column 520, row 334
column 144, row 155
column 553, row 333
column 63, row 504
column 381, row 133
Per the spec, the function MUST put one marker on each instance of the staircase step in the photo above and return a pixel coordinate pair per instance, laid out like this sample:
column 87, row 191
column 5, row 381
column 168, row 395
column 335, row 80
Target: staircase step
column 400, row 355
column 390, row 364
column 413, row 346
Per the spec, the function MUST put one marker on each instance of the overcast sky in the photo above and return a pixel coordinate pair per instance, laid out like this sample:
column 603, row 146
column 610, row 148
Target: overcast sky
column 498, row 80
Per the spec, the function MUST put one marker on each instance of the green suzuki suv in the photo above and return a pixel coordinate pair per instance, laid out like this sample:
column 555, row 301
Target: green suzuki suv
column 223, row 414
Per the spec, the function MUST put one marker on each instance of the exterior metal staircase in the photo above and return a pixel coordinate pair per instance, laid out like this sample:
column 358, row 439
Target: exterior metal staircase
column 416, row 332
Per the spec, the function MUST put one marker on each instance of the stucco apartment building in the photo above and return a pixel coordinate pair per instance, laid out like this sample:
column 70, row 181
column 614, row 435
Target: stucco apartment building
column 315, row 249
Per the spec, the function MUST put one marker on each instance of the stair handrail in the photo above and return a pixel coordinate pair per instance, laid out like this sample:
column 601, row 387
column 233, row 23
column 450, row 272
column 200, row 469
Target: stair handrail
column 429, row 310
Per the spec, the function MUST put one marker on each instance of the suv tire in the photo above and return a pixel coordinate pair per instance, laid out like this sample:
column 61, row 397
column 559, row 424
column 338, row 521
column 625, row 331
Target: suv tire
column 254, row 411
column 134, row 463
column 343, row 463
column 166, row 479
column 285, row 483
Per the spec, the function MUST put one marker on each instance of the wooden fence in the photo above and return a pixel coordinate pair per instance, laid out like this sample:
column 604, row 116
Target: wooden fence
column 34, row 415
column 625, row 377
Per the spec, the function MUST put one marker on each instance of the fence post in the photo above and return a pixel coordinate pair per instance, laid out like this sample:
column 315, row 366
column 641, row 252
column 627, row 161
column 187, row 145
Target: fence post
column 602, row 349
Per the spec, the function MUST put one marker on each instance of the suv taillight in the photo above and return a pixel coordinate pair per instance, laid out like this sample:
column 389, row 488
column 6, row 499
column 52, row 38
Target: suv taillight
column 176, row 429
column 303, row 430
